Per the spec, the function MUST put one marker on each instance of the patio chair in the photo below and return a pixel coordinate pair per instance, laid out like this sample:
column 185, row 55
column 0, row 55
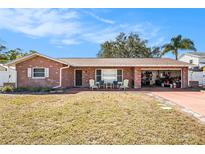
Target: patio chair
column 125, row 84
column 101, row 84
column 92, row 84
column 115, row 84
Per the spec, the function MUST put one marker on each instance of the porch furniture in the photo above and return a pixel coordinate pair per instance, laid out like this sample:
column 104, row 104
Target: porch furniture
column 119, row 84
column 97, row 84
column 115, row 84
column 125, row 84
column 109, row 85
column 101, row 84
column 92, row 84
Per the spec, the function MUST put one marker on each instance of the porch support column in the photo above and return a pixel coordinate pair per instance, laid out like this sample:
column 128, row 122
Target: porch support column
column 184, row 77
column 137, row 77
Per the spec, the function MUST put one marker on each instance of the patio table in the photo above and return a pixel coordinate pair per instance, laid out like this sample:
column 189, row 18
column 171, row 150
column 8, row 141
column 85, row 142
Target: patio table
column 109, row 85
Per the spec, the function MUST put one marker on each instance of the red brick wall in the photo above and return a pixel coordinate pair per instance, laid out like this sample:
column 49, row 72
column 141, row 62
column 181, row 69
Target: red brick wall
column 128, row 73
column 51, row 81
column 185, row 77
column 137, row 77
column 68, row 77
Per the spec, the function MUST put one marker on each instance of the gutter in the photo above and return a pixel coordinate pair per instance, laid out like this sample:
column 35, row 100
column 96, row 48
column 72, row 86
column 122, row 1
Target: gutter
column 61, row 69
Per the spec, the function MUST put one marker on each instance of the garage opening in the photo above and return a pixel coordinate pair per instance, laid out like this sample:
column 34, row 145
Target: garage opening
column 161, row 78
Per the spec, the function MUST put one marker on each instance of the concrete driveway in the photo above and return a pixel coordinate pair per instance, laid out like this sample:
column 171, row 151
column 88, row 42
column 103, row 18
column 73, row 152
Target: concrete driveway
column 194, row 101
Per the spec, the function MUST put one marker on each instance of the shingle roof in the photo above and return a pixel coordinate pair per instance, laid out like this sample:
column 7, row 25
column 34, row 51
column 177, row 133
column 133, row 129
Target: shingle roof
column 108, row 62
column 111, row 62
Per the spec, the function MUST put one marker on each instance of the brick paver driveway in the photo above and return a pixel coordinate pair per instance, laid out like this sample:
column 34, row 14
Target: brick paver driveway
column 194, row 101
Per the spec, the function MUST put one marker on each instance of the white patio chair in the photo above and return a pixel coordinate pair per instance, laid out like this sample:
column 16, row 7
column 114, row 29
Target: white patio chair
column 125, row 84
column 92, row 84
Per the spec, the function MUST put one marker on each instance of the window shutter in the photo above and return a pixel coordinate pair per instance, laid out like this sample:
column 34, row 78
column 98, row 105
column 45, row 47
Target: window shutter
column 47, row 72
column 29, row 72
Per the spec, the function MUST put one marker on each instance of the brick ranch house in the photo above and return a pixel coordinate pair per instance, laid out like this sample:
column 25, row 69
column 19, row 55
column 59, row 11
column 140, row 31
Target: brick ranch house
column 37, row 70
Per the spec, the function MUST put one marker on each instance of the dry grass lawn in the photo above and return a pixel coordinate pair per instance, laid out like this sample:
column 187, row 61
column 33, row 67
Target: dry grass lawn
column 94, row 118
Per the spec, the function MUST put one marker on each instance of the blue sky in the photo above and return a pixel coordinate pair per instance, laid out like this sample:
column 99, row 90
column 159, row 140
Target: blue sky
column 79, row 32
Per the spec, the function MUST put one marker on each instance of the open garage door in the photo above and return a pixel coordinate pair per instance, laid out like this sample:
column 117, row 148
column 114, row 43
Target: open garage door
column 161, row 78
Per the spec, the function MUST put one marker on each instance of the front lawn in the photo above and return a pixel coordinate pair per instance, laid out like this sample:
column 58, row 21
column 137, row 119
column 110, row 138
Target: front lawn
column 94, row 118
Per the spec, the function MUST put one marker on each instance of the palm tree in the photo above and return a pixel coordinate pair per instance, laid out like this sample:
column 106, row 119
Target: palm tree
column 178, row 43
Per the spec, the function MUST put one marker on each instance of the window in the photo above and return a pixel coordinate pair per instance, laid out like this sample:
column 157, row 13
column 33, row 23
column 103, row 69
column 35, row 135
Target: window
column 119, row 75
column 109, row 75
column 98, row 75
column 191, row 61
column 38, row 72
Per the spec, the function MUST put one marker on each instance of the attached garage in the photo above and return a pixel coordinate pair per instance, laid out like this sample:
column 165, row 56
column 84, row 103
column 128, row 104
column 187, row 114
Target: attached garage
column 161, row 78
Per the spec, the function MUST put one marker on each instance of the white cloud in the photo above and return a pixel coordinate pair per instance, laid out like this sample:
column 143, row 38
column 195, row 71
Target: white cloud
column 146, row 31
column 70, row 27
column 70, row 41
column 100, row 18
column 39, row 22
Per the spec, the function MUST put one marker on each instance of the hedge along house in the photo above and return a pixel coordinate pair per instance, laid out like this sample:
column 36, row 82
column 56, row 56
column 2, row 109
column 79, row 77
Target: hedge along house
column 37, row 70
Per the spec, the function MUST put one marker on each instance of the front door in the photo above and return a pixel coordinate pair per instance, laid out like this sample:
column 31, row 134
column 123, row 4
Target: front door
column 78, row 78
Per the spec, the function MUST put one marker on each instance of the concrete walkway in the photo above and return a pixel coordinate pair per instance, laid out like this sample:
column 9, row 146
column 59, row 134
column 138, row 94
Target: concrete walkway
column 194, row 101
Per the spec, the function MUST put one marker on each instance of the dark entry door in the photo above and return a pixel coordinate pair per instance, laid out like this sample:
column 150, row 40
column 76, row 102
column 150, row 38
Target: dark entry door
column 78, row 77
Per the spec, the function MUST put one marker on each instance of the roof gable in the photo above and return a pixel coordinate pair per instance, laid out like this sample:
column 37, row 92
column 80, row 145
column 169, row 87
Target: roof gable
column 25, row 58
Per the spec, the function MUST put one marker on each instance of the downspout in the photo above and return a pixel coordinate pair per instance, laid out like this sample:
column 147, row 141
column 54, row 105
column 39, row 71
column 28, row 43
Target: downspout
column 61, row 70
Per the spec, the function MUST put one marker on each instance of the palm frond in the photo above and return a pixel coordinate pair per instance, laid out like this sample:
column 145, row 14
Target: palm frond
column 187, row 44
column 167, row 48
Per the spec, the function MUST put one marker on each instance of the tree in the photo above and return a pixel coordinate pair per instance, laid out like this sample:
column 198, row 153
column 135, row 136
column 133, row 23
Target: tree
column 127, row 46
column 2, row 55
column 31, row 51
column 178, row 43
column 2, row 47
column 13, row 54
column 22, row 54
column 8, row 55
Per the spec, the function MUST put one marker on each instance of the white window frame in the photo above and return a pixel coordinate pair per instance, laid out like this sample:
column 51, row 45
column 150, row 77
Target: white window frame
column 107, row 69
column 32, row 73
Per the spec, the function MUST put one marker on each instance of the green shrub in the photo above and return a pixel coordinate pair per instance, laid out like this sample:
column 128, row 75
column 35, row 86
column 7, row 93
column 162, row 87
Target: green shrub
column 7, row 89
column 33, row 89
column 21, row 89
column 46, row 89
